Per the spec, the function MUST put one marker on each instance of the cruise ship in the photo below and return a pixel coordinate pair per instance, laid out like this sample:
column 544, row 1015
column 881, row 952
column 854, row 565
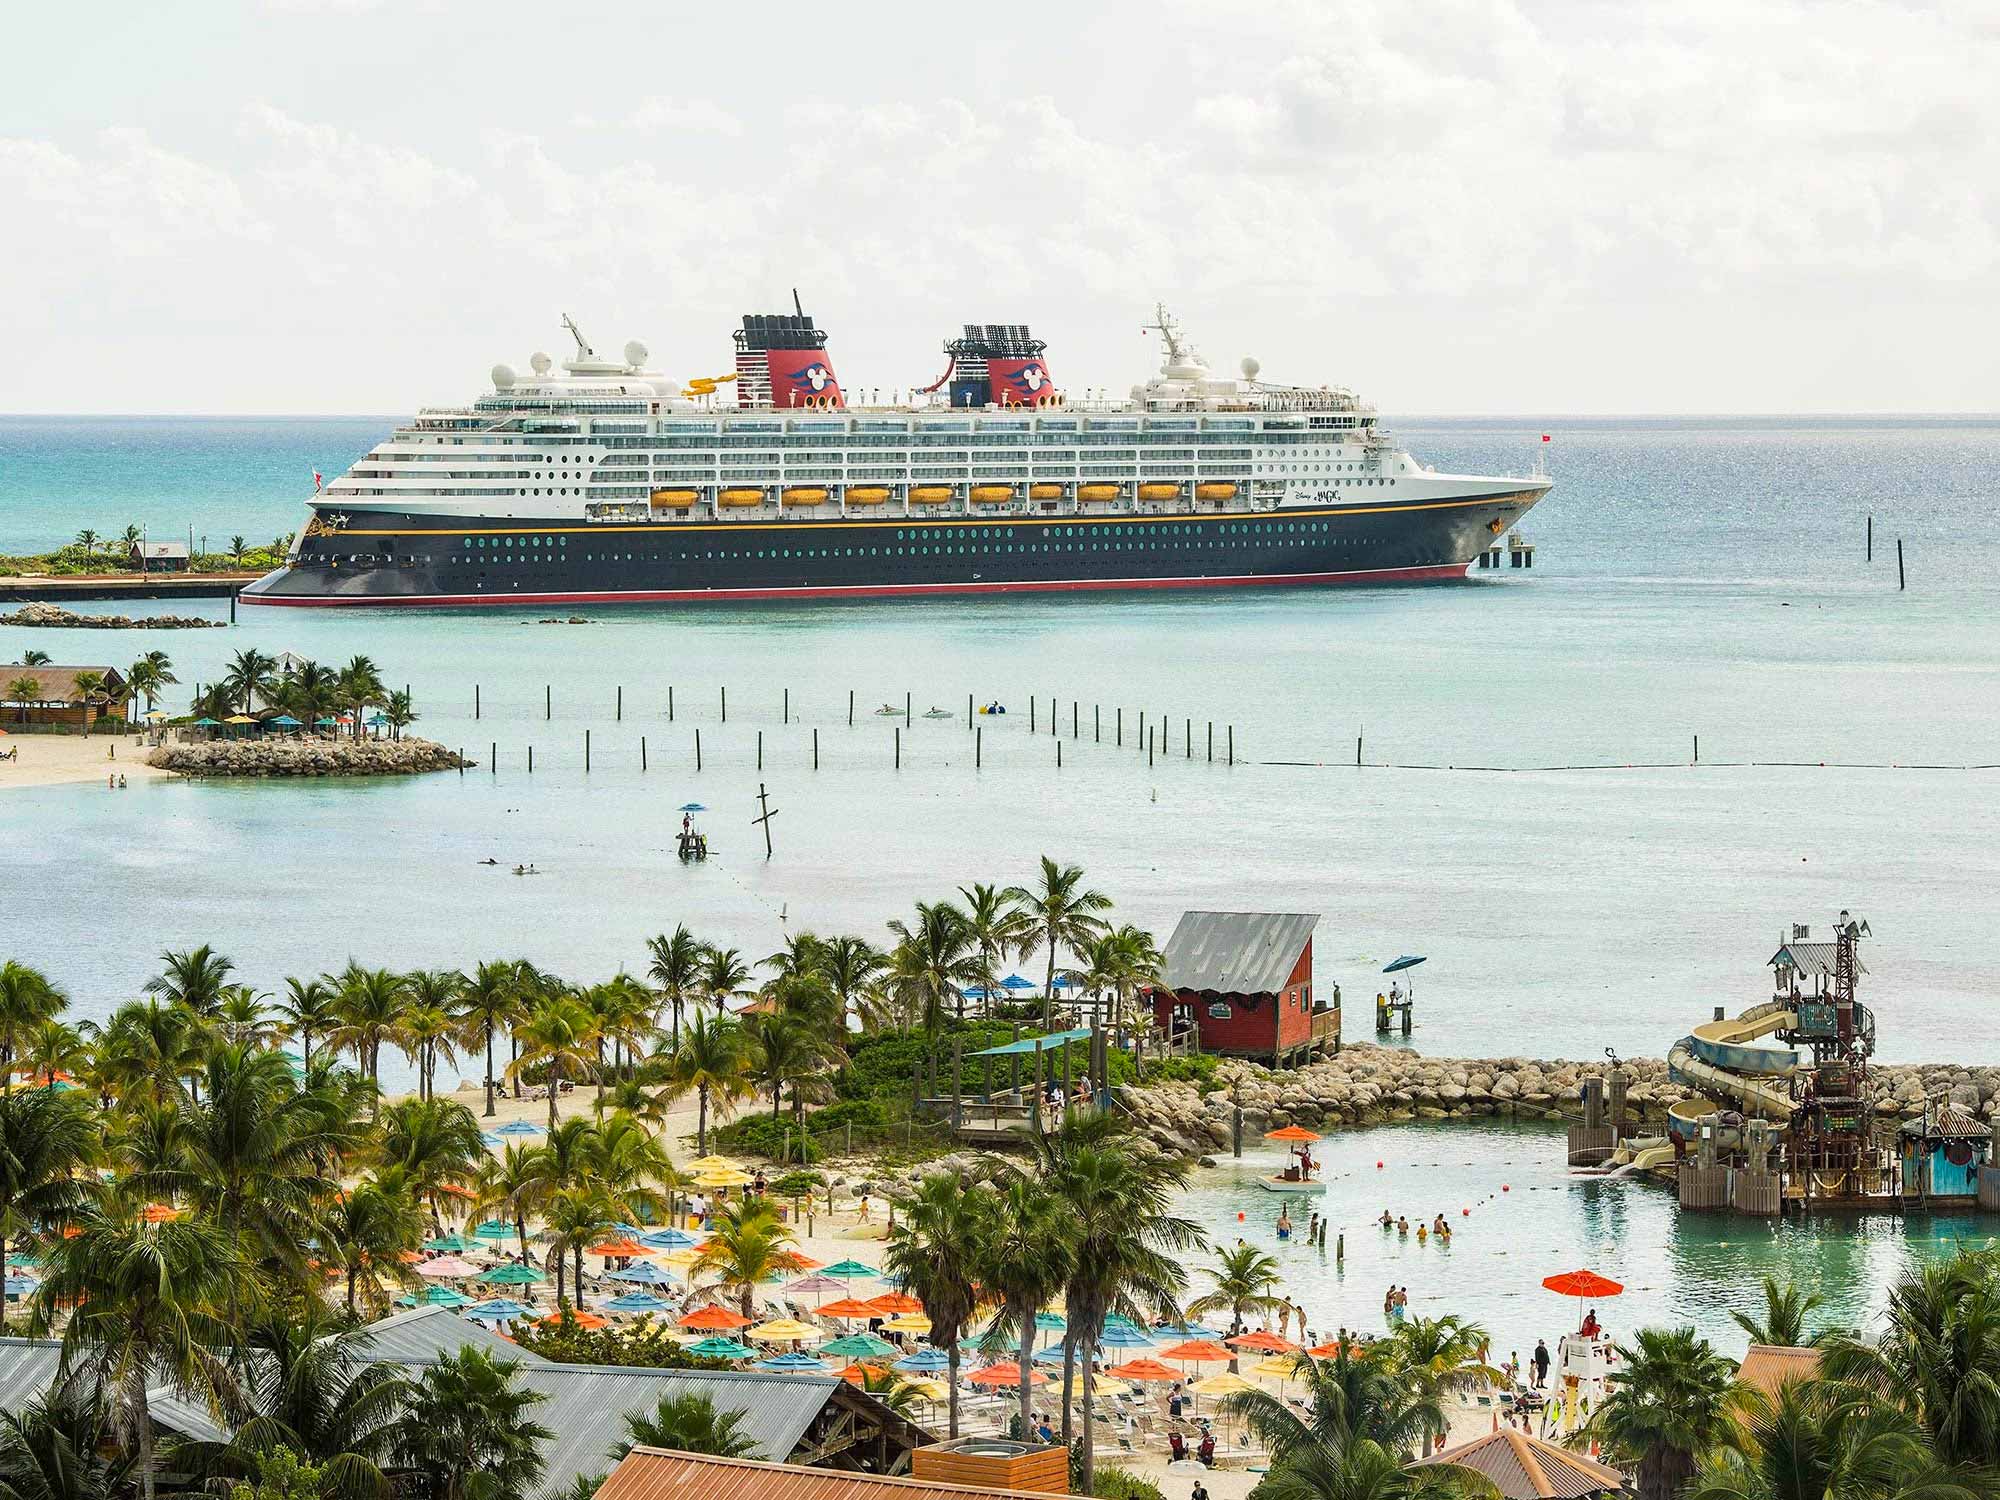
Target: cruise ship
column 604, row 480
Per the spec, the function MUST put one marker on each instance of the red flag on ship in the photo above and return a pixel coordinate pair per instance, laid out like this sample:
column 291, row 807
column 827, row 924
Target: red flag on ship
column 319, row 481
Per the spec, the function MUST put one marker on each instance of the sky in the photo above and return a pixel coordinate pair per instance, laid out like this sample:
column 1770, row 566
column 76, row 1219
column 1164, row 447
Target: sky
column 1453, row 206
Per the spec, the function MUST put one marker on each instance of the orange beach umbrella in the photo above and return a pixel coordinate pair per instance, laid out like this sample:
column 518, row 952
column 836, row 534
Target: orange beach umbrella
column 1144, row 1369
column 715, row 1320
column 1198, row 1350
column 1005, row 1375
column 1292, row 1133
column 848, row 1307
column 1263, row 1342
column 893, row 1303
column 618, row 1246
column 1583, row 1284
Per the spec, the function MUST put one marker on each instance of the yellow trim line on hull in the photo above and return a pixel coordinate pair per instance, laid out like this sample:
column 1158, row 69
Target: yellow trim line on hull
column 846, row 525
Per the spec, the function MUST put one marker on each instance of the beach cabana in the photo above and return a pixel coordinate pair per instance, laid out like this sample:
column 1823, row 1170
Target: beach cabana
column 1522, row 1467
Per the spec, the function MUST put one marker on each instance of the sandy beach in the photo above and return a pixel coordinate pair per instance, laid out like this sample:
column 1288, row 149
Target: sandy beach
column 57, row 759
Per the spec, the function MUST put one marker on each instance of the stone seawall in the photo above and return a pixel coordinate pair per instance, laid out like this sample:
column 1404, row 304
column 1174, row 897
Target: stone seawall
column 306, row 757
column 1370, row 1085
column 55, row 617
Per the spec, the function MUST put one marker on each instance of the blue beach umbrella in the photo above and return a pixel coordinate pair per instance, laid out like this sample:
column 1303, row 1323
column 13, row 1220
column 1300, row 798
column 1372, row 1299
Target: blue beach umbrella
column 847, row 1270
column 1407, row 961
column 1016, row 982
column 488, row 1138
column 1053, row 1355
column 286, row 721
column 721, row 1349
column 632, row 1302
column 1048, row 1322
column 1178, row 1331
column 1123, row 1336
column 519, row 1127
column 499, row 1310
column 859, row 1346
column 204, row 722
column 643, row 1274
column 434, row 1296
column 21, row 1286
column 792, row 1364
column 669, row 1239
column 926, row 1361
column 494, row 1229
column 690, row 807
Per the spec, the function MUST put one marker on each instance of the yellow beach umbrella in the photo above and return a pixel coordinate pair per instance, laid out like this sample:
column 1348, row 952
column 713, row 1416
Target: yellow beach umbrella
column 680, row 1258
column 909, row 1323
column 1279, row 1367
column 1223, row 1383
column 930, row 1390
column 239, row 719
column 724, row 1177
column 710, row 1164
column 786, row 1330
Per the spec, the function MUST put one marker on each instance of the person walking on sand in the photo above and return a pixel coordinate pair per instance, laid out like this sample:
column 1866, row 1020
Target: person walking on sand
column 1541, row 1359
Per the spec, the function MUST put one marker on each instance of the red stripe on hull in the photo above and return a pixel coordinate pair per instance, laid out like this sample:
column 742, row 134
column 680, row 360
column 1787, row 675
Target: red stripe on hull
column 1425, row 574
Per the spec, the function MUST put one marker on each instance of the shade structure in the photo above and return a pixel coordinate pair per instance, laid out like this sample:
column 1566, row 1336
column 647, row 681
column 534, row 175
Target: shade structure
column 1185, row 1331
column 488, row 1138
column 908, row 1323
column 998, row 1377
column 1223, row 1383
column 1263, row 1341
column 1016, row 982
column 583, row 1317
column 721, row 1348
column 690, row 807
column 21, row 1286
column 204, row 722
column 681, row 1258
column 1296, row 1133
column 499, row 1310
column 801, row 1263
column 847, row 1308
column 519, row 1127
column 643, row 1274
column 1278, row 1367
column 895, row 1302
column 926, row 1361
column 1397, row 965
column 1052, row 1355
column 447, row 1268
column 325, row 721
column 724, row 1177
column 792, row 1364
column 1198, row 1351
column 1523, row 1467
column 785, row 1331
column 711, row 1163
column 714, row 1320
column 436, row 1296
column 847, row 1270
column 513, row 1273
column 1048, row 1322
column 932, row 1391
column 1583, row 1284
column 493, row 1229
column 618, row 1246
column 1123, row 1336
column 286, row 721
column 818, row 1284
column 1145, row 1370
column 637, row 1302
column 239, row 719
column 1329, row 1350
column 670, row 1239
column 859, row 1346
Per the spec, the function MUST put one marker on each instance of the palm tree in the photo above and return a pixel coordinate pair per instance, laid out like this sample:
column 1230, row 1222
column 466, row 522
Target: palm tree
column 1245, row 1280
column 148, row 1048
column 513, row 1183
column 1060, row 913
column 996, row 927
column 312, row 1390
column 1357, row 1395
column 148, row 675
column 90, row 687
column 34, row 658
column 25, row 690
column 131, row 537
column 400, row 709
column 27, row 999
column 785, row 1052
column 358, row 685
column 1025, row 1261
column 935, row 1250
column 1937, row 1356
column 87, row 539
column 51, row 1048
column 558, row 1038
column 712, row 1064
column 428, row 1027
column 370, row 1006
column 1669, row 1406
column 310, row 691
column 46, row 1144
column 687, row 1423
column 1441, row 1356
column 143, row 1302
column 723, row 976
column 849, row 966
column 575, row 1214
column 64, row 1445
column 310, row 1006
column 1814, row 1441
column 747, row 1244
column 466, row 1432
column 236, row 548
column 370, row 1227
column 248, row 674
column 676, row 972
column 196, row 979
column 490, row 996
column 933, row 962
column 1786, row 1308
column 629, row 1163
column 436, row 1143
column 1362, row 1469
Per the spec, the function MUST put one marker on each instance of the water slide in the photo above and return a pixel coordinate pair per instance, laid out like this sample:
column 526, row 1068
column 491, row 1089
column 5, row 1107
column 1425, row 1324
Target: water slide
column 1728, row 1060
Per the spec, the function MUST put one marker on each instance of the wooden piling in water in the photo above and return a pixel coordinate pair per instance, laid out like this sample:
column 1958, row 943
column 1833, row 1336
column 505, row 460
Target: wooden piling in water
column 1871, row 539
column 978, row 747
column 850, row 708
column 548, row 702
column 1188, row 729
column 642, row 752
column 968, row 710
column 1357, row 749
column 1211, row 742
column 1899, row 565
column 786, row 718
column 760, row 749
column 1096, row 724
column 697, row 747
column 493, row 757
column 461, row 762
column 1149, row 750
column 1031, row 713
column 1118, row 728
column 531, row 760
column 1058, row 755
column 725, row 705
column 620, row 713
column 1697, row 749
column 586, row 752
column 1143, row 741
column 815, row 747
column 670, row 703
column 1072, row 718
column 475, row 701
column 898, row 732
column 1232, row 744
column 906, row 708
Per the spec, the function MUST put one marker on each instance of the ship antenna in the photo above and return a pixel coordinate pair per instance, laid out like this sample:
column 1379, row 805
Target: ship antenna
column 583, row 349
column 797, row 306
column 1163, row 324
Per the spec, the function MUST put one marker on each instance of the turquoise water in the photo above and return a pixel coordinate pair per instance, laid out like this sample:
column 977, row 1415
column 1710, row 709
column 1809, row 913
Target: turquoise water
column 1676, row 1268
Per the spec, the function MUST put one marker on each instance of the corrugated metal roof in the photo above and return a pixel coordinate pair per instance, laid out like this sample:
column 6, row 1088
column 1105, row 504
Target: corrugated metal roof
column 588, row 1404
column 1949, row 1124
column 656, row 1474
column 1235, row 952
column 27, row 1368
column 1814, row 959
column 424, row 1335
column 1523, row 1467
column 1771, row 1367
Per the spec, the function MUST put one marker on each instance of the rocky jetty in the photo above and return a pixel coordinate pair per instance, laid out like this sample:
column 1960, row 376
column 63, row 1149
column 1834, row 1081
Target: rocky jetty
column 1370, row 1085
column 306, row 757
column 54, row 616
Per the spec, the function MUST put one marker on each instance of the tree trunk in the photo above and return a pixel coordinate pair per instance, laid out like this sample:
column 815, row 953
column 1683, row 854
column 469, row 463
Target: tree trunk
column 489, row 1070
column 1027, row 1365
column 951, row 1375
column 1049, row 992
column 1089, row 1430
column 701, row 1121
column 143, row 1416
column 1069, row 1383
column 352, row 1274
column 553, row 1080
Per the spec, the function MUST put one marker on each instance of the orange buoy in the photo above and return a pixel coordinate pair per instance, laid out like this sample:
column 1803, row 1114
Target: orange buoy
column 1505, row 1189
column 1378, row 1166
column 1465, row 1213
column 1239, row 1216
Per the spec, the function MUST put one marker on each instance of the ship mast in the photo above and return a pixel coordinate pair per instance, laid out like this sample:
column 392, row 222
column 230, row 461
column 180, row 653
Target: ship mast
column 583, row 349
column 1169, row 332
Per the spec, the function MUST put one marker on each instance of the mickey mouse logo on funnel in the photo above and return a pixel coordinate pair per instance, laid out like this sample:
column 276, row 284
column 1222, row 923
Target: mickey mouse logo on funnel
column 802, row 377
column 1021, row 382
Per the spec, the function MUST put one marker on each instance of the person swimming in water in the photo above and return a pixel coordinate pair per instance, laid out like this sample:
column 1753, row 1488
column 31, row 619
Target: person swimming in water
column 1284, row 1223
column 1388, row 1219
column 1402, row 1226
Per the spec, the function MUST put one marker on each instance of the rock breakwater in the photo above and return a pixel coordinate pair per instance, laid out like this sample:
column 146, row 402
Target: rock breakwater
column 307, row 757
column 1370, row 1085
column 54, row 616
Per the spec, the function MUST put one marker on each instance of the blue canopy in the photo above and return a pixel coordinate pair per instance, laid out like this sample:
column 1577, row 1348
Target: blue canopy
column 690, row 807
column 719, row 1348
column 1064, row 982
column 286, row 721
column 499, row 1310
column 1053, row 1355
column 1187, row 1331
column 643, row 1274
column 1030, row 1045
column 1122, row 1336
column 1016, row 982
column 669, row 1239
column 926, row 1361
column 434, row 1296
column 637, row 1302
column 488, row 1138
column 1405, row 962
column 519, row 1127
column 21, row 1286
column 794, row 1363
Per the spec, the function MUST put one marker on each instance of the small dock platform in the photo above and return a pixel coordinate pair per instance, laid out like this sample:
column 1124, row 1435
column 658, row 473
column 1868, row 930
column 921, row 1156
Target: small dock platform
column 1519, row 552
column 56, row 589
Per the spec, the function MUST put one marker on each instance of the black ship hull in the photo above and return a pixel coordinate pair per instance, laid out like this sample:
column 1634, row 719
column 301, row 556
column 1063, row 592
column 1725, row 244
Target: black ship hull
column 387, row 557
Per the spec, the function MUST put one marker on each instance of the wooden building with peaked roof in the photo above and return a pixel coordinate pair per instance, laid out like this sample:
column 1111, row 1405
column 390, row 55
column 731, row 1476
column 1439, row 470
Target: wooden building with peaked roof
column 1242, row 982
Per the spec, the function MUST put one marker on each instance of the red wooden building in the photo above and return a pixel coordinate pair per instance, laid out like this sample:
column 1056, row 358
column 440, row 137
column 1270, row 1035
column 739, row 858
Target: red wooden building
column 1243, row 981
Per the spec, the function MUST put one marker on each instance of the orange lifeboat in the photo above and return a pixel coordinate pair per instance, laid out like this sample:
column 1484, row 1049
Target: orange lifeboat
column 930, row 494
column 674, row 499
column 1045, row 492
column 803, row 495
column 741, row 497
column 868, row 494
column 1216, row 489
column 1097, row 494
column 992, row 494
column 1159, row 492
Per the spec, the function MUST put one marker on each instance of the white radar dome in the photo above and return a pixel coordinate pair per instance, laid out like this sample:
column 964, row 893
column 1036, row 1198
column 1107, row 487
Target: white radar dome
column 539, row 362
column 503, row 377
column 635, row 353
column 667, row 387
column 1250, row 368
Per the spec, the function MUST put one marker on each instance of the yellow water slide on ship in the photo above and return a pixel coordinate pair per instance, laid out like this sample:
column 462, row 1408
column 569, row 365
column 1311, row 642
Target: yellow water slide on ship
column 1722, row 1059
column 704, row 385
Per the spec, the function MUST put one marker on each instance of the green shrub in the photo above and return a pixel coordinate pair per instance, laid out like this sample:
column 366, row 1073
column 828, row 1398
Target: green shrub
column 645, row 1344
column 1122, row 1484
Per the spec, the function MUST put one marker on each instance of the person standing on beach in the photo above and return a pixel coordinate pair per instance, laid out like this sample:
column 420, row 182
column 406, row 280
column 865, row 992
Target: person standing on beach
column 1541, row 1363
